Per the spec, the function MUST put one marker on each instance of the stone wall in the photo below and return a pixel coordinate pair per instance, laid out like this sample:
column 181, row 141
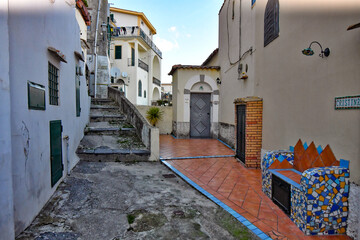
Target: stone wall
column 147, row 133
column 164, row 125
column 227, row 133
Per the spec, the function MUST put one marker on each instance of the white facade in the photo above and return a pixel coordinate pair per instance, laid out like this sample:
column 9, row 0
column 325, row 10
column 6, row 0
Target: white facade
column 138, row 66
column 33, row 27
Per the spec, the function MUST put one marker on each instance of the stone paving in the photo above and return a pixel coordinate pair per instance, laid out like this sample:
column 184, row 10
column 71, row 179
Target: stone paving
column 231, row 183
column 113, row 201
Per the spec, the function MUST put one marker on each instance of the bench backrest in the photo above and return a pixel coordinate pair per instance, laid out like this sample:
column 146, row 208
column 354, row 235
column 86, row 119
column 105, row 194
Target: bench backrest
column 310, row 157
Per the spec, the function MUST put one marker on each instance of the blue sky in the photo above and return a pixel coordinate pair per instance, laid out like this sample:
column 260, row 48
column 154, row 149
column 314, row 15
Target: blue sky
column 187, row 30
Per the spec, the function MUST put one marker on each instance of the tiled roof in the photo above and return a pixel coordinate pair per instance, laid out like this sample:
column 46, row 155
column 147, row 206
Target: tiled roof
column 210, row 57
column 195, row 67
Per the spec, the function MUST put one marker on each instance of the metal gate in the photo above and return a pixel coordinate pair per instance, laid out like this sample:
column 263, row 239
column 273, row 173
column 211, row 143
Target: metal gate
column 240, row 132
column 200, row 115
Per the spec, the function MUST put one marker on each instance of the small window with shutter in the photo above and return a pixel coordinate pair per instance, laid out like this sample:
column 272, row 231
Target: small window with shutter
column 118, row 52
column 271, row 21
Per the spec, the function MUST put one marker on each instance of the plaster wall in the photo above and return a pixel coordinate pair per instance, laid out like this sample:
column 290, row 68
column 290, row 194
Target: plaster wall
column 165, row 124
column 231, row 49
column 83, row 28
column 34, row 26
column 6, row 186
column 214, row 61
column 144, row 77
column 299, row 91
column 125, row 20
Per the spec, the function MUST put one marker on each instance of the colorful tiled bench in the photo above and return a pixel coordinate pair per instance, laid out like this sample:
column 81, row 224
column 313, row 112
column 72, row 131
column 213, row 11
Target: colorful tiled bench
column 319, row 186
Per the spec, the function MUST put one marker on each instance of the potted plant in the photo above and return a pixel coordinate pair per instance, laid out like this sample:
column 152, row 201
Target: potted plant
column 154, row 115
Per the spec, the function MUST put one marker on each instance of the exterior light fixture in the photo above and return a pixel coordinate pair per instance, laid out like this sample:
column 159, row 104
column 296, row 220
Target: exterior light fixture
column 218, row 81
column 309, row 52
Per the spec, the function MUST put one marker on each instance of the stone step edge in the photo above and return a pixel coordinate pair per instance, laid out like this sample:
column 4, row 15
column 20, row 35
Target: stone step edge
column 94, row 129
column 113, row 151
column 104, row 107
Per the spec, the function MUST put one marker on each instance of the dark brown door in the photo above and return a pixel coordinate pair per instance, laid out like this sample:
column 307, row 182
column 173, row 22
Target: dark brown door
column 240, row 132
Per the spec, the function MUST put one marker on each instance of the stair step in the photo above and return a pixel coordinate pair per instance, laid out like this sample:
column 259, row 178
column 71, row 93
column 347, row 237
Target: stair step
column 105, row 107
column 101, row 101
column 109, row 130
column 104, row 118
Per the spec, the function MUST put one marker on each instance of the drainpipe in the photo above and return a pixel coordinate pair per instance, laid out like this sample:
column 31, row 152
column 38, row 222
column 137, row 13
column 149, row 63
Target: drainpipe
column 66, row 139
column 240, row 56
column 95, row 47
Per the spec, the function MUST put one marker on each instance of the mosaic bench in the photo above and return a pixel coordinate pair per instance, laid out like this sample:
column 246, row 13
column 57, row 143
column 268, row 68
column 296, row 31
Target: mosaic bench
column 314, row 183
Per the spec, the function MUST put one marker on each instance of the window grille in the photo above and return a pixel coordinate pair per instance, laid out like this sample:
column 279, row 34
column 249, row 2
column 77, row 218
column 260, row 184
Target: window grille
column 53, row 84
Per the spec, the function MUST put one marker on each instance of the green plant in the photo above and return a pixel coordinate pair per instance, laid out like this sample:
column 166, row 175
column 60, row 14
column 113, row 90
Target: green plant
column 154, row 115
column 86, row 3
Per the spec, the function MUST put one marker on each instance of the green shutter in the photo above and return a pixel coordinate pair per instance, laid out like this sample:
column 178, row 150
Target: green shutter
column 56, row 151
column 132, row 57
column 117, row 52
column 77, row 84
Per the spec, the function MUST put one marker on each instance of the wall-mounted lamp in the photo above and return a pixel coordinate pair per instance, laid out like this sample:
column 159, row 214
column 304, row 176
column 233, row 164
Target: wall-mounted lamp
column 218, row 81
column 309, row 52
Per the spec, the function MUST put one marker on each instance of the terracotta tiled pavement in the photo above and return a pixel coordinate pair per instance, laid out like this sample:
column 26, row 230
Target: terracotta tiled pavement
column 174, row 148
column 232, row 183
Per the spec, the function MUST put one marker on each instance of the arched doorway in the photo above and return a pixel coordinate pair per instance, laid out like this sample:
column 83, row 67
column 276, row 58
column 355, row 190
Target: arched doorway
column 156, row 94
column 201, row 106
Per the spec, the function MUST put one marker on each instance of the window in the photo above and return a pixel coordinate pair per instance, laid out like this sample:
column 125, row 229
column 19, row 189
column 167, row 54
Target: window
column 144, row 93
column 53, row 84
column 112, row 17
column 139, row 88
column 132, row 56
column 118, row 52
column 271, row 21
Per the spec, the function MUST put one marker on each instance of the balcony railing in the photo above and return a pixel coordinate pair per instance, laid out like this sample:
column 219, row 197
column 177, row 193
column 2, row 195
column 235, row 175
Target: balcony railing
column 133, row 31
column 143, row 65
column 156, row 81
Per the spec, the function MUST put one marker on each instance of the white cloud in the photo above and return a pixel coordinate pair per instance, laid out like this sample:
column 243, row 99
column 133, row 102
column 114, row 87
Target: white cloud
column 188, row 35
column 172, row 29
column 165, row 45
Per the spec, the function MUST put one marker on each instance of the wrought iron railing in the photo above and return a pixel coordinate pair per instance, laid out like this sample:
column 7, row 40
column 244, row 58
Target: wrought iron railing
column 133, row 31
column 143, row 65
column 156, row 81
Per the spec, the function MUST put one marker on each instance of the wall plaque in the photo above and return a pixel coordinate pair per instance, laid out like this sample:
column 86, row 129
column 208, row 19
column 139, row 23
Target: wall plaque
column 349, row 102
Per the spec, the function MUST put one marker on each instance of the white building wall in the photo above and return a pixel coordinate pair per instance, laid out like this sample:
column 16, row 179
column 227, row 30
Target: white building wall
column 34, row 26
column 125, row 20
column 144, row 77
column 6, row 190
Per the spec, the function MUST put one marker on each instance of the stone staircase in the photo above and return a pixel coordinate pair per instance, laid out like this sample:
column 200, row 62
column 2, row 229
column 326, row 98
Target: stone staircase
column 109, row 137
